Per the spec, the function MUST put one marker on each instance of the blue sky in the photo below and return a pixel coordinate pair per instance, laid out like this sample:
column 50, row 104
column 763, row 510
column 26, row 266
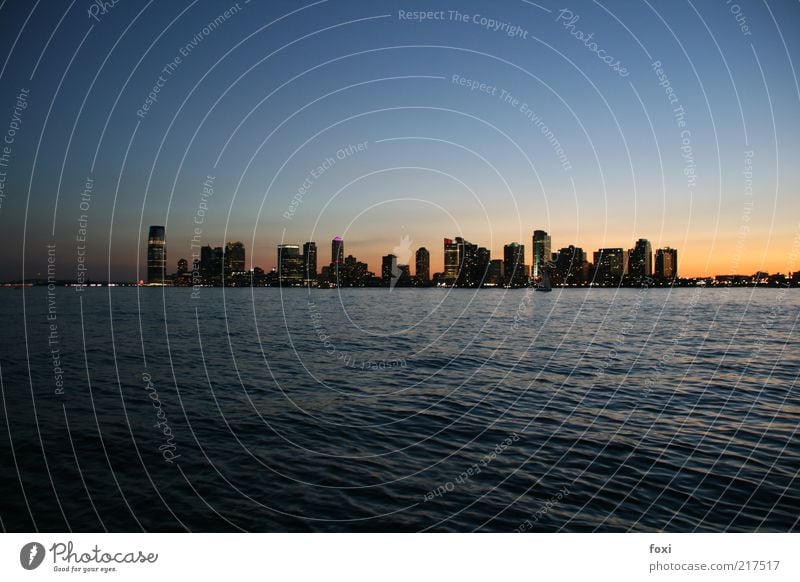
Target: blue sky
column 268, row 94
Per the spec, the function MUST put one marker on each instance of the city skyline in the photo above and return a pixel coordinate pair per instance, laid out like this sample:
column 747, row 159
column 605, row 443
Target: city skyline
column 418, row 135
column 464, row 264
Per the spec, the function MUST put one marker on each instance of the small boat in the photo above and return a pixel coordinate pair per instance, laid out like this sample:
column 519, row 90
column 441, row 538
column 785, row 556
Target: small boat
column 544, row 282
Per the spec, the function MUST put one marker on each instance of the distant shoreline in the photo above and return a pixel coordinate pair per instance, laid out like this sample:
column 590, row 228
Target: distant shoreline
column 80, row 288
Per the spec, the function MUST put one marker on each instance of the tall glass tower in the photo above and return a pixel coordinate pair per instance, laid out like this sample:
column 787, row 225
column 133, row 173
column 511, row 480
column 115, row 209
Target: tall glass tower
column 541, row 251
column 450, row 260
column 337, row 251
column 310, row 263
column 156, row 256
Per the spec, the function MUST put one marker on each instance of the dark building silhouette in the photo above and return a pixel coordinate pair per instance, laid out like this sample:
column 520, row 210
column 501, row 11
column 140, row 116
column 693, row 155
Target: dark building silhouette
column 611, row 266
column 450, row 261
column 482, row 259
column 290, row 266
column 514, row 267
column 337, row 251
column 183, row 266
column 211, row 264
column 422, row 272
column 465, row 264
column 641, row 261
column 234, row 258
column 494, row 273
column 467, row 259
column 541, row 252
column 389, row 270
column 570, row 267
column 310, row 263
column 404, row 276
column 666, row 267
column 156, row 256
column 354, row 273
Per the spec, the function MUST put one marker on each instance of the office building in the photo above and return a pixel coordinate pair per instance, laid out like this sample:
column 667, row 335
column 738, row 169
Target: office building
column 422, row 272
column 310, row 263
column 666, row 264
column 514, row 265
column 156, row 256
column 389, row 270
column 482, row 259
column 290, row 266
column 610, row 267
column 337, row 251
column 450, row 261
column 234, row 258
column 467, row 257
column 353, row 273
column 494, row 273
column 641, row 261
column 541, row 252
column 570, row 267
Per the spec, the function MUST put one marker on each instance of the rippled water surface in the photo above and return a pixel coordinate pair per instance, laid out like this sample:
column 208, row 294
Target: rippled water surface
column 371, row 410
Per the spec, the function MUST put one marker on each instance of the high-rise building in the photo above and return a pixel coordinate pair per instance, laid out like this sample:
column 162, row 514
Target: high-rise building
column 571, row 267
column 422, row 273
column 290, row 266
column 467, row 257
column 611, row 266
column 156, row 256
column 310, row 263
column 353, row 273
column 450, row 261
column 541, row 252
column 183, row 266
column 234, row 258
column 337, row 251
column 482, row 259
column 404, row 276
column 641, row 261
column 389, row 270
column 666, row 267
column 211, row 264
column 514, row 265
column 494, row 273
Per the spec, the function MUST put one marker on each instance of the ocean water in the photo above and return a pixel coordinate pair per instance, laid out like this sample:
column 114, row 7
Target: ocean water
column 403, row 410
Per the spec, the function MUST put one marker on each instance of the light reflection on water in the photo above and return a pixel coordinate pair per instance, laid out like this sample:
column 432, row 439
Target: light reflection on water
column 340, row 410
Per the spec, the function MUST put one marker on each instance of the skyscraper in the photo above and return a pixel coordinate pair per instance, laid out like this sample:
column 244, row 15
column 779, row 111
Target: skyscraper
column 353, row 273
column 610, row 266
column 310, row 263
column 290, row 266
column 211, row 264
column 337, row 251
column 450, row 261
column 467, row 258
column 389, row 270
column 571, row 267
column 666, row 267
column 541, row 251
column 422, row 272
column 514, row 265
column 156, row 256
column 482, row 259
column 494, row 273
column 234, row 258
column 641, row 262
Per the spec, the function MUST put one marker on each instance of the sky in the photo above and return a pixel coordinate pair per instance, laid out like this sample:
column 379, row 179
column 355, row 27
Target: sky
column 285, row 122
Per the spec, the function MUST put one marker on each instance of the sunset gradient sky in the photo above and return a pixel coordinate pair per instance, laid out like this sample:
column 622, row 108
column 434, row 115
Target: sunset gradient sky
column 269, row 102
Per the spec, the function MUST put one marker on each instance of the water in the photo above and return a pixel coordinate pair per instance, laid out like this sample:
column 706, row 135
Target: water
column 370, row 410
